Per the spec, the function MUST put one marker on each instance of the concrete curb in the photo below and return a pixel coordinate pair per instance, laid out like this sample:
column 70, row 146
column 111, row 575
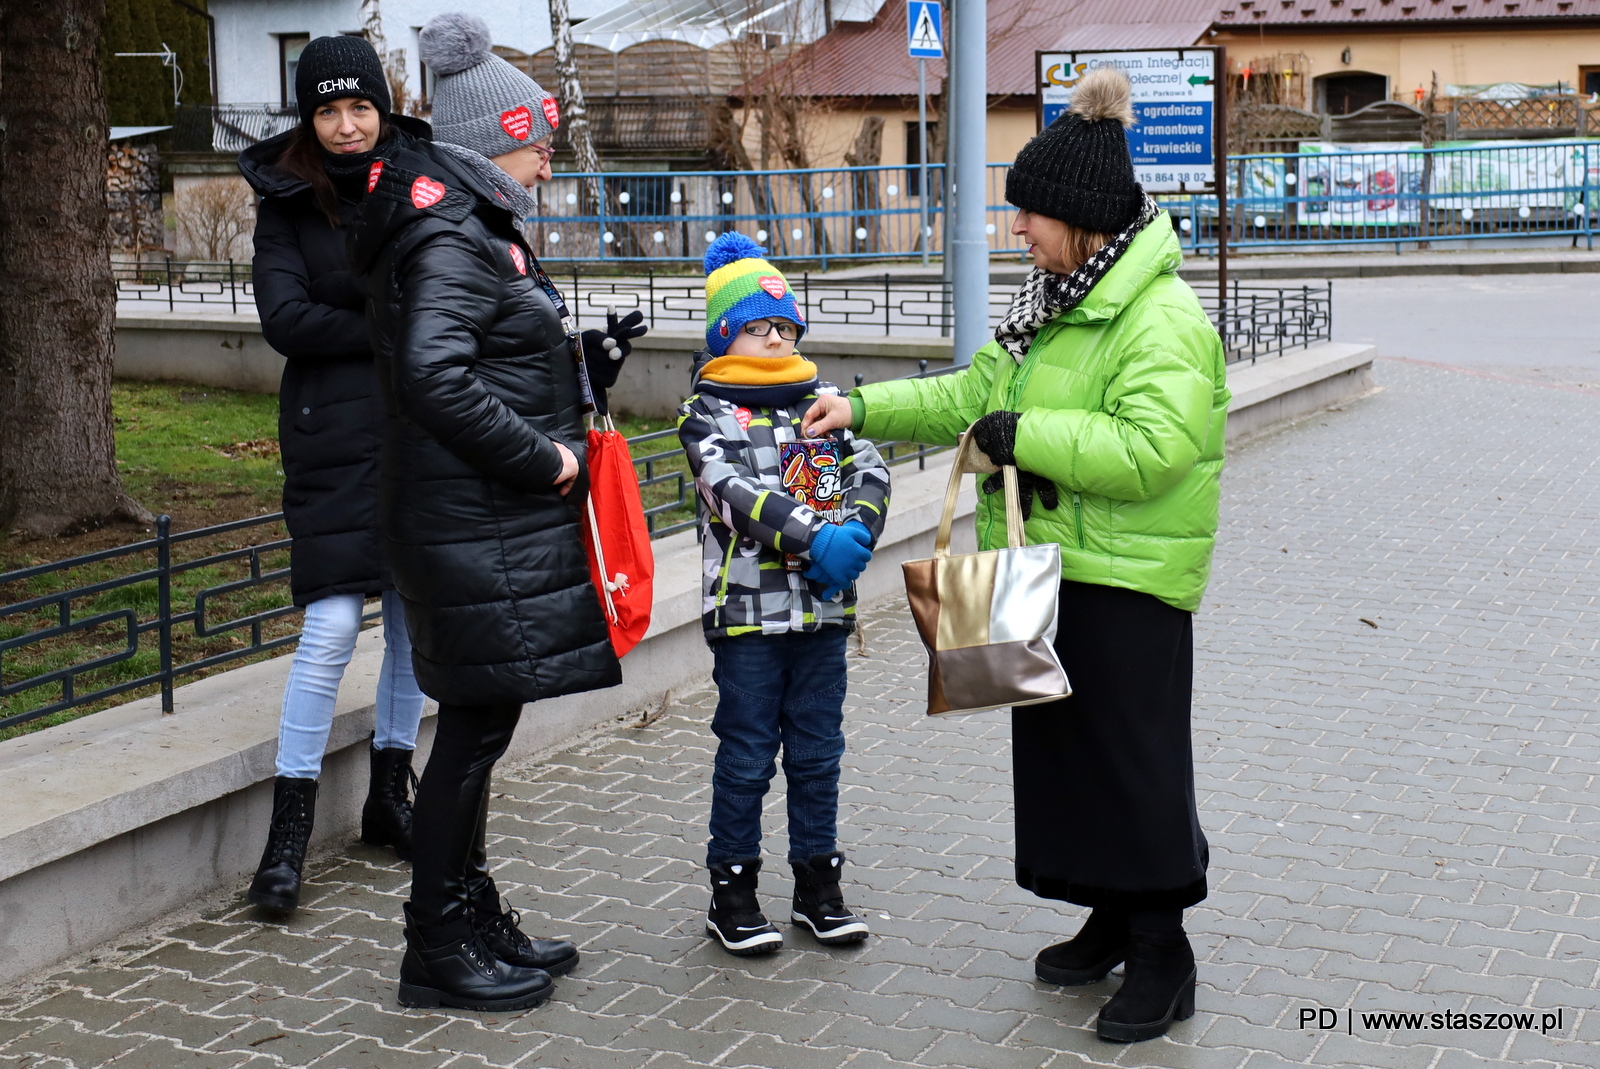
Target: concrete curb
column 115, row 819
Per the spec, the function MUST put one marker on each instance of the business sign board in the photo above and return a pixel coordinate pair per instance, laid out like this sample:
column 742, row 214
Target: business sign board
column 1175, row 94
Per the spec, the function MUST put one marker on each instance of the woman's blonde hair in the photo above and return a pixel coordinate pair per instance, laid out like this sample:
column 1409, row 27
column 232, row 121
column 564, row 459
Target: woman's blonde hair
column 1080, row 244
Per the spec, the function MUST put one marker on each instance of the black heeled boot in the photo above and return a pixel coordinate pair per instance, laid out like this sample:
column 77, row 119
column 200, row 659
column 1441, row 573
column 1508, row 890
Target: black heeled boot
column 1158, row 981
column 294, row 810
column 386, row 817
column 1100, row 946
column 449, row 965
column 819, row 902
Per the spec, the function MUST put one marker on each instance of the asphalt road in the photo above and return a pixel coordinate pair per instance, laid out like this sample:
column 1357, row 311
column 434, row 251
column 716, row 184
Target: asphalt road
column 1539, row 327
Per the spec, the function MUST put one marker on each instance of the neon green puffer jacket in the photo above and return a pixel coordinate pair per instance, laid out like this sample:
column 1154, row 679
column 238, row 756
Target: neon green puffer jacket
column 1124, row 402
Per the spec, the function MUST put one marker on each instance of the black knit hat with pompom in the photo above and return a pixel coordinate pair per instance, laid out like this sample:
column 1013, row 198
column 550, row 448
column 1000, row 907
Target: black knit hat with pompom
column 1078, row 169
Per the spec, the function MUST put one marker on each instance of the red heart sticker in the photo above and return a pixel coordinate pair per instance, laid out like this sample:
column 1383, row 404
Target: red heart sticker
column 552, row 112
column 517, row 122
column 519, row 260
column 773, row 285
column 372, row 175
column 742, row 415
column 425, row 192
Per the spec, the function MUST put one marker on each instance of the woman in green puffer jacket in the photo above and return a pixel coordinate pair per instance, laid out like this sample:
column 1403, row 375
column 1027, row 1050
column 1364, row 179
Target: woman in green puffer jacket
column 1105, row 385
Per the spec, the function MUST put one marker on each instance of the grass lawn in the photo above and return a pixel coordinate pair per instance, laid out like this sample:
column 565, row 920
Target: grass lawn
column 204, row 456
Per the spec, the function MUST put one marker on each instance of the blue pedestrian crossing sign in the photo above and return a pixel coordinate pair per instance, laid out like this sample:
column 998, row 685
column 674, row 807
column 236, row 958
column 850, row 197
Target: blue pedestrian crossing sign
column 925, row 29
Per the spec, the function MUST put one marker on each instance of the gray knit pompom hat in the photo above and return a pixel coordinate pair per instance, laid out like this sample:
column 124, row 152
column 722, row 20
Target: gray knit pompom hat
column 480, row 101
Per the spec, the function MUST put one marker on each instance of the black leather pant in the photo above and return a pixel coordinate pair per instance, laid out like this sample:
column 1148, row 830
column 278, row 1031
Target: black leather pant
column 450, row 865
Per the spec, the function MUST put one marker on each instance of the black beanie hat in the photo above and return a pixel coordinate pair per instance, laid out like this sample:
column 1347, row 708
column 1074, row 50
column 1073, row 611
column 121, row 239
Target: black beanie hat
column 335, row 67
column 1078, row 169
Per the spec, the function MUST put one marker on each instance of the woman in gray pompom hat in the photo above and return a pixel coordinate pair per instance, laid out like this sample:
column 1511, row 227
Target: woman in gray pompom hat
column 483, row 481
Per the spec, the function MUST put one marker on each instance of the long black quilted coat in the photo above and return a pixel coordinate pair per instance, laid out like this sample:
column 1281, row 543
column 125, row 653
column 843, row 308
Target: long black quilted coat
column 330, row 416
column 480, row 379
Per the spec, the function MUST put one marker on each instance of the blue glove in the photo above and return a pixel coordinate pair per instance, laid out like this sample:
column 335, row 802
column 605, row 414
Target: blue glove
column 839, row 554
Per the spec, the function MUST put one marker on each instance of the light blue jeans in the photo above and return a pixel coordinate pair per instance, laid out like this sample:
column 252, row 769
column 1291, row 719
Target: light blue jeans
column 326, row 644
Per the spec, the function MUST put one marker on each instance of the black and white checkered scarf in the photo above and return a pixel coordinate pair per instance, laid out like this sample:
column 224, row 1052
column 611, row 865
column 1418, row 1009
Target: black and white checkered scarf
column 1045, row 294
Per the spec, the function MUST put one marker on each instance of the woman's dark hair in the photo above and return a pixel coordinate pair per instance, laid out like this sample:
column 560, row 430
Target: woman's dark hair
column 305, row 158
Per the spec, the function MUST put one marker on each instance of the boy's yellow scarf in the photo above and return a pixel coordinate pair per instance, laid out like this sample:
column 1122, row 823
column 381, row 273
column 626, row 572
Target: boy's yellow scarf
column 758, row 370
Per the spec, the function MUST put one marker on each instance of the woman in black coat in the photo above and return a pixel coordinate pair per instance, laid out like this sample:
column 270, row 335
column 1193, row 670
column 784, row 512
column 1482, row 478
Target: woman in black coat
column 482, row 487
column 329, row 427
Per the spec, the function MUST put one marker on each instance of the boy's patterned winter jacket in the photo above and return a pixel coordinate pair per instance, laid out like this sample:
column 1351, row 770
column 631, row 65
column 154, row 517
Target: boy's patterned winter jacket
column 757, row 530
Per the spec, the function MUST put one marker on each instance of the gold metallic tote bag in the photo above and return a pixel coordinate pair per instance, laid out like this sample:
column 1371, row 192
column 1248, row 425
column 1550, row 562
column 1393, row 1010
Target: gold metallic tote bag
column 988, row 619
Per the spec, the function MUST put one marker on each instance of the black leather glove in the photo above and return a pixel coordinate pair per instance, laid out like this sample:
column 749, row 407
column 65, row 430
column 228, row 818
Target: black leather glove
column 605, row 361
column 1027, row 483
column 996, row 435
column 337, row 289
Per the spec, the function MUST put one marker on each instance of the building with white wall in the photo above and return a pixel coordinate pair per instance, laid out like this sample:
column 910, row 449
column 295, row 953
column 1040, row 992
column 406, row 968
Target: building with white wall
column 258, row 41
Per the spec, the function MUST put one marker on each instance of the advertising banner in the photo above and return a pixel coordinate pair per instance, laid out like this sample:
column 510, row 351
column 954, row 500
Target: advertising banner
column 1174, row 102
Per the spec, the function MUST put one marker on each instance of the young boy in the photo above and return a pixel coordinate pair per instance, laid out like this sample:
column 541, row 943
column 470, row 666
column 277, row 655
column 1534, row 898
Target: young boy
column 791, row 523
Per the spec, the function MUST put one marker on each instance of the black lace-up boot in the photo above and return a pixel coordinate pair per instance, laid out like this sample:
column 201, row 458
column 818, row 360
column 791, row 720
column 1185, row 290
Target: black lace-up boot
column 500, row 929
column 1158, row 981
column 1100, row 946
column 449, row 965
column 819, row 903
column 294, row 810
column 386, row 818
column 735, row 919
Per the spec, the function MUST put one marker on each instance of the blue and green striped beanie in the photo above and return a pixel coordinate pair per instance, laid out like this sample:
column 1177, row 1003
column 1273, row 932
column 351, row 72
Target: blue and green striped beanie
column 740, row 286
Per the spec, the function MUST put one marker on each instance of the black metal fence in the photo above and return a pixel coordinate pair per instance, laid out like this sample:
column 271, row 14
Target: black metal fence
column 1261, row 320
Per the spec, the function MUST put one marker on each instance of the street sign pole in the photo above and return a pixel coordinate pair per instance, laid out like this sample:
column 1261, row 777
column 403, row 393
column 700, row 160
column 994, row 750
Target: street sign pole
column 969, row 110
column 1219, row 132
column 925, row 41
column 922, row 155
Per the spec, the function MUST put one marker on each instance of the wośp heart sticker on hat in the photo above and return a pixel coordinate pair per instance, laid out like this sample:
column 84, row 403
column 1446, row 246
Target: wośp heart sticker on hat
column 774, row 286
column 518, row 260
column 552, row 112
column 425, row 192
column 517, row 122
column 372, row 175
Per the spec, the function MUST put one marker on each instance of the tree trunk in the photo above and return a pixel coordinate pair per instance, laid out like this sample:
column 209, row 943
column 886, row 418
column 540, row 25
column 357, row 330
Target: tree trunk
column 573, row 110
column 866, row 152
column 58, row 466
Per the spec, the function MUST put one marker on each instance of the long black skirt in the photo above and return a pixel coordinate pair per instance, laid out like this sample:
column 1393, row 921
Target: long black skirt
column 1104, row 780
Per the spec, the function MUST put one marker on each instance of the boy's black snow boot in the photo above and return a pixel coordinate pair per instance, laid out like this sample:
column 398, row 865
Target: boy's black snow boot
column 734, row 918
column 819, row 903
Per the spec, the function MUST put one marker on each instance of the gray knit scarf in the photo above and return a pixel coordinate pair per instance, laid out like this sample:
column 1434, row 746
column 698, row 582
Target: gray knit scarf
column 1045, row 294
column 511, row 193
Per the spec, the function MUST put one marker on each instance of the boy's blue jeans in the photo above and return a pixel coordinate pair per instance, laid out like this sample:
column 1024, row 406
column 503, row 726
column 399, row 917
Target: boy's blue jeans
column 785, row 689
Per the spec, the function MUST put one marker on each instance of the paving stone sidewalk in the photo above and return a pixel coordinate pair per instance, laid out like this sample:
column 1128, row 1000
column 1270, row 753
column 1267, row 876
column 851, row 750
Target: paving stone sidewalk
column 1396, row 729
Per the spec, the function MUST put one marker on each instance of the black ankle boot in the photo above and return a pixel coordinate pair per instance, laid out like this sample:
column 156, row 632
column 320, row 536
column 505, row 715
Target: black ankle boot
column 294, row 810
column 819, row 903
column 1157, row 989
column 1100, row 946
column 386, row 818
column 449, row 965
column 501, row 933
column 735, row 918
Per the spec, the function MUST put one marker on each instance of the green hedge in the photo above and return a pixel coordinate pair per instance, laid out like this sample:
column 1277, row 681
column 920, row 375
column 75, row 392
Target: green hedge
column 139, row 89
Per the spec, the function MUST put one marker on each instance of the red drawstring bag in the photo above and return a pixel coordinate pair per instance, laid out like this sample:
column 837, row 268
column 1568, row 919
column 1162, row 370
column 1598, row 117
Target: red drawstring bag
column 621, row 561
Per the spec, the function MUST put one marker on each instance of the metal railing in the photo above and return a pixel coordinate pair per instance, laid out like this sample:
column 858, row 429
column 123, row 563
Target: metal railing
column 1260, row 320
column 1401, row 195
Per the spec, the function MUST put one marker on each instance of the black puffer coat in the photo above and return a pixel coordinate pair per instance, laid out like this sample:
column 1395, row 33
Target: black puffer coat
column 330, row 415
column 485, row 551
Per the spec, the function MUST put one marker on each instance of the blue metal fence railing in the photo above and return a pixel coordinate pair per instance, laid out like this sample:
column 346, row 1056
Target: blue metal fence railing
column 1328, row 195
